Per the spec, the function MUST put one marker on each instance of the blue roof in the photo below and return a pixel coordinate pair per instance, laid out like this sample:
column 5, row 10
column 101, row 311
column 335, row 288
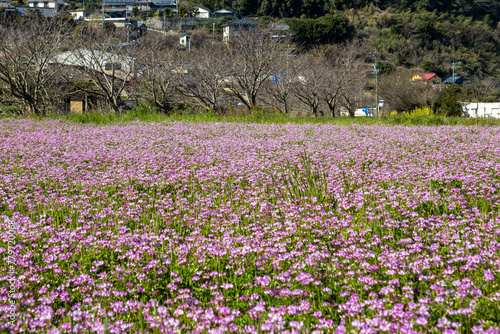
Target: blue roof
column 241, row 22
column 450, row 79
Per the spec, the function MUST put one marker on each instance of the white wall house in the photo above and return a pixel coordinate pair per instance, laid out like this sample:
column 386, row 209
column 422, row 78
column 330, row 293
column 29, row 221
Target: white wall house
column 480, row 109
column 202, row 13
column 82, row 14
column 108, row 63
column 55, row 4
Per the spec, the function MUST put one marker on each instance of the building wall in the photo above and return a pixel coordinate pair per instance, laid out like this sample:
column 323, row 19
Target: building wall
column 481, row 109
column 42, row 4
column 202, row 14
column 230, row 32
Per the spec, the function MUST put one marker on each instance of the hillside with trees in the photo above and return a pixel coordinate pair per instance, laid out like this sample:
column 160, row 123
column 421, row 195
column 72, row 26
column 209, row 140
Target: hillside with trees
column 419, row 34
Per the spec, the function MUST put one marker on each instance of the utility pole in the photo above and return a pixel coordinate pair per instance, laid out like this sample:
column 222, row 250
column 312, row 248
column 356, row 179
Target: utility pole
column 454, row 66
column 375, row 70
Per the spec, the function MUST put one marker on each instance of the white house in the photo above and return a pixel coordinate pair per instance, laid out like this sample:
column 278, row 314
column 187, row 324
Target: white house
column 481, row 109
column 81, row 14
column 201, row 12
column 55, row 4
column 108, row 63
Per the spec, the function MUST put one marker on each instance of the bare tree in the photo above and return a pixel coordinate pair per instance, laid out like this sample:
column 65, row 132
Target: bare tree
column 160, row 72
column 344, row 75
column 402, row 94
column 280, row 87
column 110, row 65
column 308, row 88
column 205, row 76
column 254, row 61
column 27, row 48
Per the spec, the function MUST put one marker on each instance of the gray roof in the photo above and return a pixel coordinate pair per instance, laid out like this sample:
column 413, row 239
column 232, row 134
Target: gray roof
column 61, row 2
column 164, row 3
column 224, row 11
column 46, row 12
column 106, row 2
column 450, row 79
column 241, row 22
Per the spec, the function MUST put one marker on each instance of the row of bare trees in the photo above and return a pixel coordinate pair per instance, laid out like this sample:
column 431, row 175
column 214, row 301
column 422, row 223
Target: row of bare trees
column 46, row 63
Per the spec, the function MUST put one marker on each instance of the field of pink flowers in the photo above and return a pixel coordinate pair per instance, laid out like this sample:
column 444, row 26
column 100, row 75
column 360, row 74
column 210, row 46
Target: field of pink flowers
column 245, row 228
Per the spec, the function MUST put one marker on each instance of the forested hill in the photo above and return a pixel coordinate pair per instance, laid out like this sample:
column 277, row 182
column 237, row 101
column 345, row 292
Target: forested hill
column 477, row 9
column 423, row 34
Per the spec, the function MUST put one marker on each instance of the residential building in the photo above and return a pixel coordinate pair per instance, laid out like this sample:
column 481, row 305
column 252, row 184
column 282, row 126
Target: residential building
column 53, row 4
column 482, row 109
column 426, row 77
column 280, row 30
column 82, row 14
column 458, row 80
column 201, row 12
column 225, row 13
column 107, row 63
column 126, row 5
column 45, row 12
column 234, row 28
column 163, row 4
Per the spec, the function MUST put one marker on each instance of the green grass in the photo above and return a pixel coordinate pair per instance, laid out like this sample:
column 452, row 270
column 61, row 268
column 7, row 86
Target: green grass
column 147, row 113
column 431, row 120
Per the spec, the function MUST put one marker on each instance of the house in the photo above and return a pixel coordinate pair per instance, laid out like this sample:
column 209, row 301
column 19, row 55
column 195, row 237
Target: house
column 427, row 78
column 280, row 30
column 45, row 12
column 480, row 109
column 234, row 28
column 163, row 4
column 5, row 4
column 82, row 14
column 225, row 13
column 125, row 5
column 136, row 29
column 201, row 12
column 106, row 63
column 458, row 80
column 53, row 4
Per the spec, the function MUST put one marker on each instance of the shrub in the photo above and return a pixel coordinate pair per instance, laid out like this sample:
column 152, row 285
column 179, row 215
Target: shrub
column 420, row 111
column 447, row 104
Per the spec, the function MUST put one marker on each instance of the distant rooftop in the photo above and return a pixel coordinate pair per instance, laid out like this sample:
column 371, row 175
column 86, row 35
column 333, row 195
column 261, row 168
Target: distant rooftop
column 46, row 12
column 427, row 75
column 164, row 3
column 105, row 2
column 458, row 78
column 241, row 22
